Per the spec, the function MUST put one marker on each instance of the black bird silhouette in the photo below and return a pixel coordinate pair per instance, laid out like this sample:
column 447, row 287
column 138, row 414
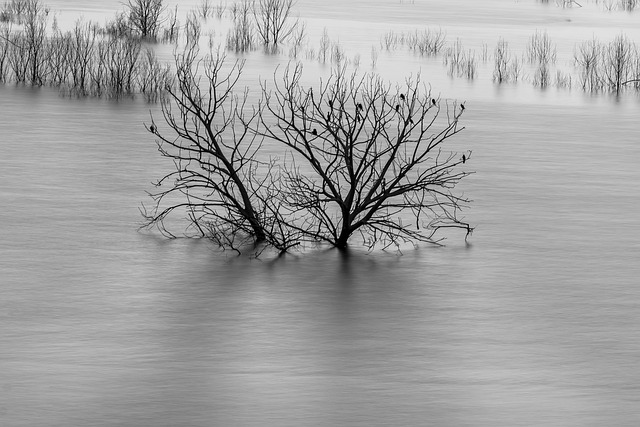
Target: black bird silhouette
column 397, row 107
column 152, row 129
column 433, row 101
column 464, row 158
column 314, row 131
column 360, row 107
column 401, row 97
column 462, row 106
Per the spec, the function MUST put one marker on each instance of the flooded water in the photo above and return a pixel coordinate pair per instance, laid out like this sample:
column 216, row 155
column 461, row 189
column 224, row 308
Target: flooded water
column 533, row 322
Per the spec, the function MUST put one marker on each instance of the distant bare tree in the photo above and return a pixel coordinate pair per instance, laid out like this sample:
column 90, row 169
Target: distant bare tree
column 587, row 58
column 502, row 59
column 273, row 21
column 617, row 63
column 28, row 58
column 5, row 40
column 240, row 37
column 145, row 17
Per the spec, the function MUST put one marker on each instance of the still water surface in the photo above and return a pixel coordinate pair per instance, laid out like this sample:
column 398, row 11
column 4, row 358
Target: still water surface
column 534, row 322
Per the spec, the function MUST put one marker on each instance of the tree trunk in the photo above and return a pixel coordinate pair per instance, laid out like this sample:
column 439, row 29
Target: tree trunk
column 345, row 231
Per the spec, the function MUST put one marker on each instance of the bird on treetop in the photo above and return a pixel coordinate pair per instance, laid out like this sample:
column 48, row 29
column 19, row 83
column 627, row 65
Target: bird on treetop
column 462, row 106
column 464, row 158
column 433, row 101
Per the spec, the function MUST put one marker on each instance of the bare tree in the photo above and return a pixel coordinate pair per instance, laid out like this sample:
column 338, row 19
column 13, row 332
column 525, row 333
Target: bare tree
column 240, row 37
column 617, row 62
column 365, row 158
column 218, row 179
column 502, row 59
column 5, row 40
column 27, row 53
column 587, row 58
column 357, row 157
column 145, row 17
column 273, row 23
column 81, row 53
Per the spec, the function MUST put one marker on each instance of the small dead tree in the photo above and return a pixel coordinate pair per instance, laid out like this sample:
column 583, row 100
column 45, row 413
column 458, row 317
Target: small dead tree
column 145, row 17
column 218, row 180
column 587, row 58
column 365, row 159
column 273, row 21
column 502, row 60
column 240, row 37
column 617, row 62
column 26, row 50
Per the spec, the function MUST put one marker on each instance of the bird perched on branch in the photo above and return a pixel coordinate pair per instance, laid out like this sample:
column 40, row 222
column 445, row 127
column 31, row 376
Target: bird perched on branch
column 152, row 129
column 397, row 107
column 464, row 158
column 402, row 97
column 314, row 131
column 433, row 101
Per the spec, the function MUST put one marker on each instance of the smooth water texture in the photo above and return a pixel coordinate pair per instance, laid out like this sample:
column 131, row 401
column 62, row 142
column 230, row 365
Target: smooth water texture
column 533, row 322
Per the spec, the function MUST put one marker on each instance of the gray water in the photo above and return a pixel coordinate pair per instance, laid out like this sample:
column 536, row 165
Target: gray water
column 533, row 322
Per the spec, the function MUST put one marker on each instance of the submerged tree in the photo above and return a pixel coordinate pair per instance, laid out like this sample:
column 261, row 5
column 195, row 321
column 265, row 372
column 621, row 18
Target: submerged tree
column 240, row 37
column 356, row 157
column 366, row 159
column 273, row 21
column 617, row 64
column 219, row 179
column 587, row 58
column 25, row 50
column 145, row 17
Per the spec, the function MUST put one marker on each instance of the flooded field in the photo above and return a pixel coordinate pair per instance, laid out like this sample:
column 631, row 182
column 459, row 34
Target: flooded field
column 532, row 322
